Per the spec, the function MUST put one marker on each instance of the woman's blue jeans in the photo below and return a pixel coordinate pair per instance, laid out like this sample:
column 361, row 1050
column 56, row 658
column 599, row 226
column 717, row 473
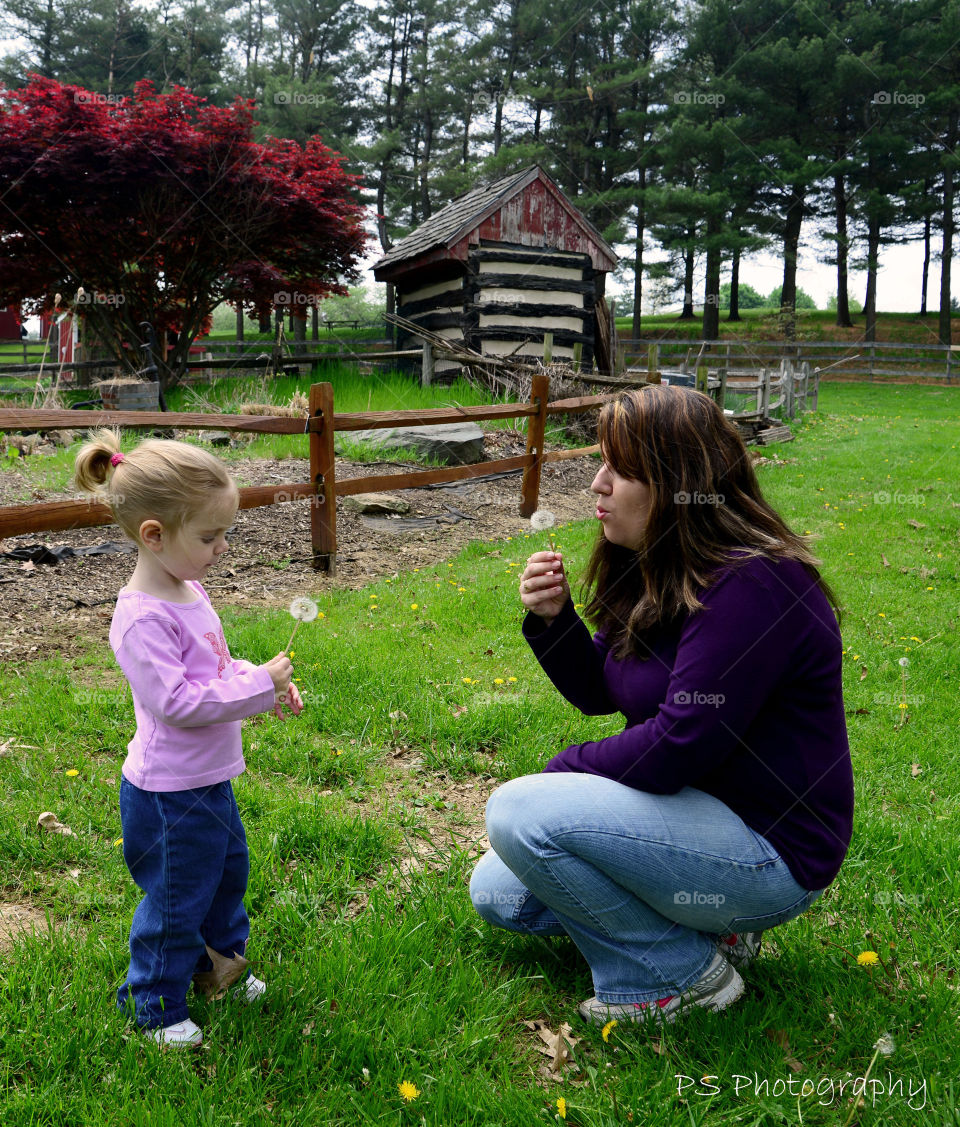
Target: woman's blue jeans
column 644, row 884
column 188, row 853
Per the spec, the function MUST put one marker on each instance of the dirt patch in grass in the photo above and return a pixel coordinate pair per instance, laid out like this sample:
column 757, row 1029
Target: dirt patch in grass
column 65, row 608
column 18, row 920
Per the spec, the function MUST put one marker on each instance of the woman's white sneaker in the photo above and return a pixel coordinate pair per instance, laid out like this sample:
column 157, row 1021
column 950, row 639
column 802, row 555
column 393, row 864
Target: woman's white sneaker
column 718, row 987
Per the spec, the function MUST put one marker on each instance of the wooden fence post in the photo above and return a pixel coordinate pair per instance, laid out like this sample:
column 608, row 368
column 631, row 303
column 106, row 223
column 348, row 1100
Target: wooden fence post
column 536, row 425
column 323, row 508
column 548, row 348
column 653, row 364
column 703, row 378
column 722, row 397
column 427, row 365
column 765, row 379
column 578, row 356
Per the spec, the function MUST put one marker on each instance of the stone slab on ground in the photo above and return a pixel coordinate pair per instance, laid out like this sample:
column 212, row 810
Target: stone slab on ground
column 453, row 444
column 375, row 503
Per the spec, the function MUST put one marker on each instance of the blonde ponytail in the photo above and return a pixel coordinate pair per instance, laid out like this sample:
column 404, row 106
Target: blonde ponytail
column 158, row 480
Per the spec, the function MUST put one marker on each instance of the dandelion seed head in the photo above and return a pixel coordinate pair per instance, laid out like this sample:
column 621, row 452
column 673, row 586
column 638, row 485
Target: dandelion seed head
column 542, row 519
column 885, row 1045
column 304, row 609
column 904, row 661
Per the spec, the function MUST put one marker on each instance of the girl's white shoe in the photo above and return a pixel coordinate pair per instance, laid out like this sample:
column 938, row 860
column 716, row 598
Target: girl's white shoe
column 250, row 991
column 183, row 1035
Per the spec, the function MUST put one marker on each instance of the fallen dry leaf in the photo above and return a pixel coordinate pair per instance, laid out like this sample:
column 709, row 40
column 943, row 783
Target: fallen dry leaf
column 52, row 824
column 884, row 560
column 916, row 523
column 916, row 770
column 556, row 1046
column 863, row 672
column 226, row 971
column 779, row 1037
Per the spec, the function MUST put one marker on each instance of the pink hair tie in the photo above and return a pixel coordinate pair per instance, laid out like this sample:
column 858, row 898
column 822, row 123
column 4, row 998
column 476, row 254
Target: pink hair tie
column 116, row 459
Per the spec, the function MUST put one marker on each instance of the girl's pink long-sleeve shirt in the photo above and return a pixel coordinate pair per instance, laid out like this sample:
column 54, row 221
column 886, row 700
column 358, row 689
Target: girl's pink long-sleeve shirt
column 189, row 695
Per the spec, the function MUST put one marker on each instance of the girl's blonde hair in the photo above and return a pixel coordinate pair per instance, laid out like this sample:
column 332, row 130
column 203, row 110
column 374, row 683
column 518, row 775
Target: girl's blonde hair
column 159, row 480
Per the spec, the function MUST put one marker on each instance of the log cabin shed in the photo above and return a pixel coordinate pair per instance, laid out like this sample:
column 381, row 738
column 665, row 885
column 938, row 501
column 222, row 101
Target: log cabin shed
column 500, row 266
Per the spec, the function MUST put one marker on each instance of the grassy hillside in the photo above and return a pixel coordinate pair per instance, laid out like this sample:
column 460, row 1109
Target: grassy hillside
column 813, row 324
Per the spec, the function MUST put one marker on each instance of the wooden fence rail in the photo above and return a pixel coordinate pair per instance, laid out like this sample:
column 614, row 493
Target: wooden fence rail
column 845, row 358
column 320, row 426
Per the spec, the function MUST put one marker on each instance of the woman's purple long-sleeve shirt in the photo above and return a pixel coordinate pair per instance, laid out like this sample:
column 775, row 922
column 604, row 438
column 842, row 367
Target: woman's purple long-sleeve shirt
column 742, row 700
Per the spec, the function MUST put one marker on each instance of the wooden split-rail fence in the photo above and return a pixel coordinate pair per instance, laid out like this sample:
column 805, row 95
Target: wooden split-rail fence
column 320, row 426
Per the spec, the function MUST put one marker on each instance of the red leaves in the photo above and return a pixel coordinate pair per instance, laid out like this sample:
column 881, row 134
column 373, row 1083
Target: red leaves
column 166, row 200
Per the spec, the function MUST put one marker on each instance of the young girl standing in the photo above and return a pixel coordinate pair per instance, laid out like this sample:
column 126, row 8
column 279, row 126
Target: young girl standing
column 183, row 841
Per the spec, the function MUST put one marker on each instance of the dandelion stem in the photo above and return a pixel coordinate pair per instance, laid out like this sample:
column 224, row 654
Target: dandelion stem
column 853, row 1110
column 286, row 648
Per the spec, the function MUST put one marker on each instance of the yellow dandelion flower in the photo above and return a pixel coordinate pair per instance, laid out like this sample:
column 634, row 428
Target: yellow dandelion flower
column 72, row 772
column 498, row 680
column 561, row 1107
column 464, row 588
column 292, row 653
column 414, row 606
column 408, row 1091
column 511, row 678
column 467, row 680
column 868, row 958
column 608, row 1029
column 119, row 841
column 881, row 614
column 320, row 614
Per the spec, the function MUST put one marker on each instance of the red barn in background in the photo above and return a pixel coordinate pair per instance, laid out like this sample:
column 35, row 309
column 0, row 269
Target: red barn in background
column 10, row 323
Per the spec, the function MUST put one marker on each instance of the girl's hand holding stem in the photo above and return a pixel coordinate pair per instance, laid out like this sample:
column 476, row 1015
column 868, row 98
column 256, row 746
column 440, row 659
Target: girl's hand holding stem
column 280, row 669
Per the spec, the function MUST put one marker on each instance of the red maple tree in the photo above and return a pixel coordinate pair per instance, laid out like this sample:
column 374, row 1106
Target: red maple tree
column 160, row 207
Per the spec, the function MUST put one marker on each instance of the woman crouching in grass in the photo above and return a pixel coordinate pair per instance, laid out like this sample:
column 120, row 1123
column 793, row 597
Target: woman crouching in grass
column 724, row 807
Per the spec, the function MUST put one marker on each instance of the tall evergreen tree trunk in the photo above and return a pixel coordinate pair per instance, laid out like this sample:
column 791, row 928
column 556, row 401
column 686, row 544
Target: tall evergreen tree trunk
column 638, row 255
column 686, row 314
column 843, row 252
column 711, row 289
column 945, row 328
column 791, row 247
column 734, row 314
column 873, row 255
column 925, row 275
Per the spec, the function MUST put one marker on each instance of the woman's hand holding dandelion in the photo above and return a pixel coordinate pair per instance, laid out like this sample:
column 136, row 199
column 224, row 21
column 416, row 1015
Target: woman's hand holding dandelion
column 543, row 585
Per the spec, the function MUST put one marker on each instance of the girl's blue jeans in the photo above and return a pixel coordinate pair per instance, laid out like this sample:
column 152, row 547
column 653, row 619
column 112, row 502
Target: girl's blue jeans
column 188, row 853
column 644, row 884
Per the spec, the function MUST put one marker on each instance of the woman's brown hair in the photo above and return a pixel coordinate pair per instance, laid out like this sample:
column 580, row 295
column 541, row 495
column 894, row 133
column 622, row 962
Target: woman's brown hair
column 706, row 512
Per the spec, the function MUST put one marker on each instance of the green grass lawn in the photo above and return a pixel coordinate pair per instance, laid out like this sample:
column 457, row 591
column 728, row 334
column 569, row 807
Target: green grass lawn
column 380, row 972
